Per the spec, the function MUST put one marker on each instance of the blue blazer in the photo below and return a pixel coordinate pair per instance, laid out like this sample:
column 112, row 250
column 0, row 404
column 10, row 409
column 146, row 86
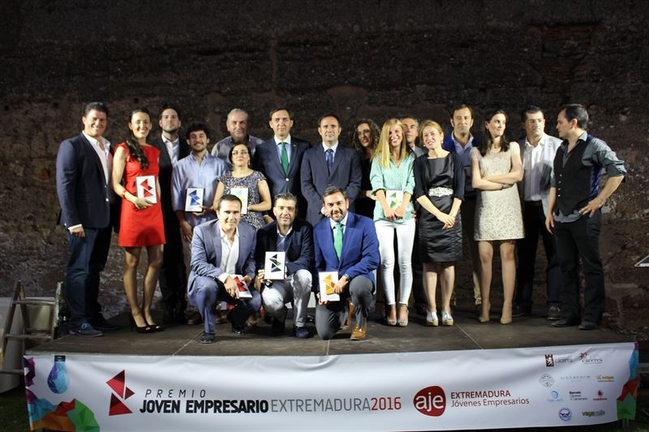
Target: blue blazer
column 207, row 253
column 266, row 160
column 298, row 245
column 81, row 185
column 346, row 174
column 360, row 253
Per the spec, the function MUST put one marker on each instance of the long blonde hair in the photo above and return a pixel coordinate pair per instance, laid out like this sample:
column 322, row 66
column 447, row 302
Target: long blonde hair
column 383, row 149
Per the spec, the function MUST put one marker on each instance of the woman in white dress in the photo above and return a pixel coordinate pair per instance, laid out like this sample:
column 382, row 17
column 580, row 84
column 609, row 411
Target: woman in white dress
column 496, row 168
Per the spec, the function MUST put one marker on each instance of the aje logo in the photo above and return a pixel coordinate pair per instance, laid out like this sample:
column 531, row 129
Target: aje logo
column 119, row 395
column 430, row 401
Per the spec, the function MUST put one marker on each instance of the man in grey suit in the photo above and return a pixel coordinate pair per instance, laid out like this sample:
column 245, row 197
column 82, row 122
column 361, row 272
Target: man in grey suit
column 329, row 164
column 237, row 125
column 83, row 166
column 173, row 274
column 223, row 256
column 280, row 158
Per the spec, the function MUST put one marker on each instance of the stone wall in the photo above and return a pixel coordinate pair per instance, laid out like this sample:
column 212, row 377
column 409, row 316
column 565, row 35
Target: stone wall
column 359, row 59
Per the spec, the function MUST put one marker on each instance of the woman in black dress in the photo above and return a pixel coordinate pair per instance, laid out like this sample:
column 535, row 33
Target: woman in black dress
column 439, row 189
column 365, row 138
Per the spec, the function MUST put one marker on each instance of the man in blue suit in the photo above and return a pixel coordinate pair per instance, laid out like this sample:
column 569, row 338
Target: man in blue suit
column 295, row 238
column 347, row 244
column 223, row 251
column 280, row 158
column 329, row 164
column 83, row 166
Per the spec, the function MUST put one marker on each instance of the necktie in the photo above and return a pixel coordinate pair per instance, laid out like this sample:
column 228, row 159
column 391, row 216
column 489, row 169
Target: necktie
column 330, row 160
column 338, row 239
column 284, row 158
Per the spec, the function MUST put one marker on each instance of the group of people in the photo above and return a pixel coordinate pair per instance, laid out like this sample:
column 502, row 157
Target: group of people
column 335, row 208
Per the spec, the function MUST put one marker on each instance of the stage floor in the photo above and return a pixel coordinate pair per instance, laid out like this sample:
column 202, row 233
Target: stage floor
column 466, row 334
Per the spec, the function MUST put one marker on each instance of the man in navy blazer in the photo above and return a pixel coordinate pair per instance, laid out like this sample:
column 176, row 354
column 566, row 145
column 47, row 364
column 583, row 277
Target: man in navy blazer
column 280, row 158
column 223, row 251
column 173, row 274
column 329, row 164
column 83, row 166
column 295, row 238
column 357, row 259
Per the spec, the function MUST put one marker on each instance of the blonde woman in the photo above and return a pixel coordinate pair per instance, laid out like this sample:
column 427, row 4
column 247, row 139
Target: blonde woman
column 393, row 183
column 439, row 189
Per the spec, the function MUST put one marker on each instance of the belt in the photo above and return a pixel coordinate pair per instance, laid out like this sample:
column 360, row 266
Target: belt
column 440, row 191
column 534, row 203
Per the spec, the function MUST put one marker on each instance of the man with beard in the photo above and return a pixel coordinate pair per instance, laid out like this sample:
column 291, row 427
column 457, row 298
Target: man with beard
column 345, row 243
column 295, row 238
column 173, row 274
column 237, row 125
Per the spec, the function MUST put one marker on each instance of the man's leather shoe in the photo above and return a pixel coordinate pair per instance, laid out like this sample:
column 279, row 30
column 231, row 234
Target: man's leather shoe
column 519, row 311
column 554, row 313
column 100, row 323
column 359, row 332
column 350, row 314
column 207, row 338
column 587, row 325
column 195, row 318
column 238, row 331
column 301, row 332
column 564, row 322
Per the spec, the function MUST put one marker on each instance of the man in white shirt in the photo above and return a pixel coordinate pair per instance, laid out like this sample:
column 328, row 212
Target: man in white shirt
column 537, row 152
column 223, row 256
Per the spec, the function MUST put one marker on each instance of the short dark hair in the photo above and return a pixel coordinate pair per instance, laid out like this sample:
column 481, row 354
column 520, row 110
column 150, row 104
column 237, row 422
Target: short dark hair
column 195, row 127
column 415, row 118
column 286, row 196
column 331, row 189
column 97, row 106
column 237, row 144
column 530, row 109
column 578, row 112
column 231, row 198
column 274, row 110
column 462, row 106
column 329, row 115
column 167, row 106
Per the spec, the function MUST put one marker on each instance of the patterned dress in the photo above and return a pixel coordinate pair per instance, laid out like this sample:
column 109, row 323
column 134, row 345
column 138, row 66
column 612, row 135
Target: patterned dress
column 250, row 181
column 498, row 214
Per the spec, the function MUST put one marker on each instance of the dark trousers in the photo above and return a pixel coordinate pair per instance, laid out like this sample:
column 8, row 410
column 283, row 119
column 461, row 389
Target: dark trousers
column 78, row 270
column 575, row 240
column 173, row 274
column 534, row 221
column 329, row 317
column 418, row 292
column 97, row 263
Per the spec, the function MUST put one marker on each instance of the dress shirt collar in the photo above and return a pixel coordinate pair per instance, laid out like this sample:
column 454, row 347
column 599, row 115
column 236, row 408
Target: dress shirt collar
column 343, row 222
column 333, row 147
column 287, row 140
column 94, row 141
column 224, row 235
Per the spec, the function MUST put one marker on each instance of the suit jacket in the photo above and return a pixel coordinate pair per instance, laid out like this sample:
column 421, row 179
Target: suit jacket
column 165, row 174
column 360, row 253
column 298, row 246
column 346, row 174
column 81, row 185
column 207, row 253
column 267, row 161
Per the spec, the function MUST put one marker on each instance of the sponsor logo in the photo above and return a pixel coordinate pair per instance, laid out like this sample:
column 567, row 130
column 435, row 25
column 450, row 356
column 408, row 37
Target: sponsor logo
column 119, row 395
column 574, row 378
column 605, row 378
column 593, row 413
column 430, row 401
column 600, row 396
column 576, row 396
column 555, row 396
column 546, row 380
column 549, row 360
column 587, row 358
column 565, row 414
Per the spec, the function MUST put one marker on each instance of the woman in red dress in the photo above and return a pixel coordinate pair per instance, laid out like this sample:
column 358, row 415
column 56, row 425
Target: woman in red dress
column 135, row 179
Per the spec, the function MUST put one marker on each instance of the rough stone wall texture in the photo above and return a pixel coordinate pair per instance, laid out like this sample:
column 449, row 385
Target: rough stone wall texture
column 373, row 59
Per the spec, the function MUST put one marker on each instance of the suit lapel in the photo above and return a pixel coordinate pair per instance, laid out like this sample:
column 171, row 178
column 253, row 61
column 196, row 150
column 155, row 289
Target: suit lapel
column 94, row 157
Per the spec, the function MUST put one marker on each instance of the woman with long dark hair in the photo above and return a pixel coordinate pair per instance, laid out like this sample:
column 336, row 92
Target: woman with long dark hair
column 496, row 167
column 135, row 179
column 365, row 140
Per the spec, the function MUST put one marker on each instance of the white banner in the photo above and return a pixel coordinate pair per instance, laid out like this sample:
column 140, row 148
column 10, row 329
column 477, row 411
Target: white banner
column 472, row 389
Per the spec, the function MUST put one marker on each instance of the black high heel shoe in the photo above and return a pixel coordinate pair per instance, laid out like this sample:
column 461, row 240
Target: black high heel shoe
column 144, row 329
column 154, row 327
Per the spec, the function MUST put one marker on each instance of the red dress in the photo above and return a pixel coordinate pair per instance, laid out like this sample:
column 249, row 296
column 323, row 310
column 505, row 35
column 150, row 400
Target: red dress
column 140, row 227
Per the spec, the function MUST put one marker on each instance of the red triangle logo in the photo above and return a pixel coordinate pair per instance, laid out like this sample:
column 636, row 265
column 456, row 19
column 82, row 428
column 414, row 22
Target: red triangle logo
column 117, row 407
column 117, row 383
